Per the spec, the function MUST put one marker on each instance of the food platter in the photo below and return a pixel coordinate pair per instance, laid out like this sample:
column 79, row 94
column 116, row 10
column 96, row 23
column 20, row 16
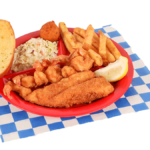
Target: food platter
column 120, row 87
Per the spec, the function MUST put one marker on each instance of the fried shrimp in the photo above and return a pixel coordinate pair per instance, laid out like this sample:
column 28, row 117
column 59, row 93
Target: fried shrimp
column 61, row 58
column 10, row 86
column 7, row 88
column 79, row 60
column 50, row 31
column 46, row 63
column 40, row 78
column 38, row 66
column 67, row 71
column 17, row 79
column 82, row 62
column 53, row 74
column 28, row 82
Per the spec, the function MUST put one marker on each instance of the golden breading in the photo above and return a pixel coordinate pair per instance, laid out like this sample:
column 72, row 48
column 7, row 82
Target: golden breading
column 28, row 82
column 50, row 31
column 43, row 96
column 85, row 92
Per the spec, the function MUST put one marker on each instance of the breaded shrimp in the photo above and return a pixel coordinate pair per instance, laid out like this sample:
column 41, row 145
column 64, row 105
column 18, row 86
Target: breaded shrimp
column 67, row 71
column 46, row 63
column 79, row 60
column 38, row 66
column 61, row 58
column 53, row 74
column 7, row 88
column 10, row 86
column 40, row 78
column 82, row 62
column 28, row 81
column 17, row 79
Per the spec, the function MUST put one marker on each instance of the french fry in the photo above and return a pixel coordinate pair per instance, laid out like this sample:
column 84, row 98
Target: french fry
column 81, row 32
column 63, row 28
column 102, row 45
column 87, row 42
column 68, row 38
column 74, row 42
column 93, row 48
column 95, row 43
column 112, row 48
column 79, row 44
column 71, row 39
column 105, row 63
column 110, row 57
column 96, row 57
column 68, row 45
column 80, row 39
column 95, row 37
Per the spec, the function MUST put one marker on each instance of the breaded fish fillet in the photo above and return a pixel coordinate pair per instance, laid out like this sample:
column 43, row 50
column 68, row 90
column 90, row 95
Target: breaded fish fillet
column 85, row 92
column 43, row 96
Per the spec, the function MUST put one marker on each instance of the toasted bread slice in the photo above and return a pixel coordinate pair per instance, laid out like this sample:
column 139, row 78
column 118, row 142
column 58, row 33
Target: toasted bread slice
column 7, row 46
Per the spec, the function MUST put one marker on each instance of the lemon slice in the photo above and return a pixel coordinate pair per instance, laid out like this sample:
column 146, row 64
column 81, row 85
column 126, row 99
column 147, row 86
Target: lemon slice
column 114, row 71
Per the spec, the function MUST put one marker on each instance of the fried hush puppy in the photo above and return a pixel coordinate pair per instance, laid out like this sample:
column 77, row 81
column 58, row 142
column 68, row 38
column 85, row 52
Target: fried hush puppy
column 50, row 31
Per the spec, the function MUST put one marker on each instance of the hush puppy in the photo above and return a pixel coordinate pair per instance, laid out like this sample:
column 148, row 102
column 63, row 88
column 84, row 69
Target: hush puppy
column 50, row 31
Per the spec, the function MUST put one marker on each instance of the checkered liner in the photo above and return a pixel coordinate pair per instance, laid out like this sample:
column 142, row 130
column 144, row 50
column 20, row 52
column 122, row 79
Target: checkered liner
column 16, row 123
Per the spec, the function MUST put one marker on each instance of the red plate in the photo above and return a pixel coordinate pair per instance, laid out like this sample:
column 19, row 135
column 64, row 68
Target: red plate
column 120, row 88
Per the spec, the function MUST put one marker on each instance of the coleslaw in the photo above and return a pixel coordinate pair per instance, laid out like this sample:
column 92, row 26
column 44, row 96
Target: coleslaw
column 34, row 49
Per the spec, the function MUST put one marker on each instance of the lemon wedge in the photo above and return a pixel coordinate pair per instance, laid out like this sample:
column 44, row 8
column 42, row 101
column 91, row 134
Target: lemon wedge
column 114, row 71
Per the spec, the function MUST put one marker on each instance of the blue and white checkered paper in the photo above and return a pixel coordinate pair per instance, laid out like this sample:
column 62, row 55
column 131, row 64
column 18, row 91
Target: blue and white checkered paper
column 16, row 123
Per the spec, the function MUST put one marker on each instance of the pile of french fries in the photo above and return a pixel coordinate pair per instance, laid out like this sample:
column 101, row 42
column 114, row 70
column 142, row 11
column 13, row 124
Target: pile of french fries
column 100, row 48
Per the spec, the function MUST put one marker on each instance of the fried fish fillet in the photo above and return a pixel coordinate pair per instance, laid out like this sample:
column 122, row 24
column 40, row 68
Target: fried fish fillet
column 85, row 92
column 42, row 96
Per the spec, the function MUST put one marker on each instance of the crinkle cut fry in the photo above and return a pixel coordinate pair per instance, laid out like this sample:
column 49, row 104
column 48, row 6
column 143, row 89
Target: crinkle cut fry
column 85, row 92
column 43, row 96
